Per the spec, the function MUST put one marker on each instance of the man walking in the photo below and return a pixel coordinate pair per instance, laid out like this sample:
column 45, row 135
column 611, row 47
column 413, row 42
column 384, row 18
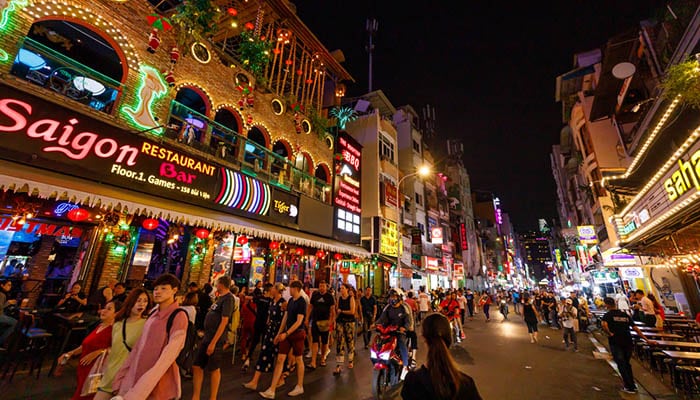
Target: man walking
column 322, row 315
column 216, row 323
column 368, row 303
column 568, row 315
column 470, row 303
column 423, row 303
column 616, row 324
column 647, row 308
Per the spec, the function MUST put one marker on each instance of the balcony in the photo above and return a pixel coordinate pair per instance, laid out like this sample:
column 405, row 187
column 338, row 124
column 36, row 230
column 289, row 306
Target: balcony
column 191, row 128
column 54, row 71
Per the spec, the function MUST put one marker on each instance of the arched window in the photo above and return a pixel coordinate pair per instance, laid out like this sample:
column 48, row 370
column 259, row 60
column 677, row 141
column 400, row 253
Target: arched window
column 187, row 113
column 322, row 173
column 255, row 147
column 282, row 149
column 303, row 162
column 73, row 59
column 228, row 119
column 224, row 139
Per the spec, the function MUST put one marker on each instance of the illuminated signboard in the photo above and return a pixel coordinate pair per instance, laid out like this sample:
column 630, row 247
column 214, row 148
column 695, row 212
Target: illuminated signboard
column 7, row 224
column 587, row 234
column 285, row 207
column 458, row 270
column 346, row 188
column 41, row 134
column 436, row 235
column 463, row 243
column 389, row 238
column 431, row 263
column 391, row 197
column 499, row 213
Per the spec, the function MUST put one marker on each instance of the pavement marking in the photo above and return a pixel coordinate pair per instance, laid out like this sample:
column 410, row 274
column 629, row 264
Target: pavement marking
column 602, row 350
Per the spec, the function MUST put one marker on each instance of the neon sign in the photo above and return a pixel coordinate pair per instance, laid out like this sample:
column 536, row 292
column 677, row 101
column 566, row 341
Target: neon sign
column 151, row 89
column 346, row 188
column 463, row 237
column 243, row 193
column 62, row 208
column 39, row 228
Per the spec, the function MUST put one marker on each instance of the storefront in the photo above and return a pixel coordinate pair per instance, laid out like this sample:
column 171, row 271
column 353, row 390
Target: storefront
column 145, row 207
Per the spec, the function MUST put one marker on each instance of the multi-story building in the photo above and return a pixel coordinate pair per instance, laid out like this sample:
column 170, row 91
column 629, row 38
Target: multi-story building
column 538, row 255
column 132, row 149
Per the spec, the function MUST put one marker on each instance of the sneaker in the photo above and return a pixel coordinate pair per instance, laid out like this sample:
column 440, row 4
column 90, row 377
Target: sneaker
column 575, row 350
column 298, row 390
column 403, row 373
column 631, row 391
column 307, row 355
column 532, row 340
column 267, row 394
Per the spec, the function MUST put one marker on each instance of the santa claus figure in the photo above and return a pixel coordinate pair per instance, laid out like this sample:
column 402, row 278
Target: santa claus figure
column 174, row 54
column 153, row 41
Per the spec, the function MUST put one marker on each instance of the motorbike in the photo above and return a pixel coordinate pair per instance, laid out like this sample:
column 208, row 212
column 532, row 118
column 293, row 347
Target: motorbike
column 386, row 359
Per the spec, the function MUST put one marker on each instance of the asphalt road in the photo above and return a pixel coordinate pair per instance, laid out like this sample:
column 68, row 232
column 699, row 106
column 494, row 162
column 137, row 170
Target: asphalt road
column 497, row 355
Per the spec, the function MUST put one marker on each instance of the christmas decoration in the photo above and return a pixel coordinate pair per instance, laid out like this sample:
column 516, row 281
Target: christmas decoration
column 297, row 123
column 195, row 20
column 232, row 12
column 174, row 54
column 249, row 26
column 299, row 251
column 169, row 77
column 242, row 240
column 153, row 41
column 274, row 245
column 249, row 119
column 338, row 256
column 247, row 99
column 159, row 22
column 78, row 214
column 202, row 233
column 343, row 115
column 320, row 254
column 150, row 224
column 254, row 52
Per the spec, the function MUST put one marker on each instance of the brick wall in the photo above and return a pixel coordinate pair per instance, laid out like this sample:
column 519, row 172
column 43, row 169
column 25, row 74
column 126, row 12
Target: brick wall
column 37, row 267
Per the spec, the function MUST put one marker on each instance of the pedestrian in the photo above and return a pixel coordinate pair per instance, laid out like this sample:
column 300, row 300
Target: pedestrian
column 503, row 307
column 516, row 302
column 290, row 337
column 440, row 379
column 397, row 314
column 368, row 303
column 646, row 306
column 321, row 315
column 623, row 303
column 92, row 348
column 469, row 296
column 658, row 310
column 248, row 316
column 150, row 371
column 345, row 329
column 7, row 323
column 485, row 303
column 262, row 299
column 450, row 308
column 423, row 303
column 568, row 315
column 462, row 300
column 268, row 348
column 126, row 331
column 617, row 324
column 531, row 318
column 209, row 353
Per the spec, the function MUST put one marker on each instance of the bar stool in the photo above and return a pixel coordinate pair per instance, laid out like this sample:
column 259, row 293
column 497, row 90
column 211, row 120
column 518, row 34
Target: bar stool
column 28, row 345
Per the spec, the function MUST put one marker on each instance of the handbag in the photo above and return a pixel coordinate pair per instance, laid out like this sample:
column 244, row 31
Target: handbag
column 94, row 378
column 324, row 325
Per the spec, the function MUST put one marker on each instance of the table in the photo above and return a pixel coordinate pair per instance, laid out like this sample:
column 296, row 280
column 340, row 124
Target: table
column 685, row 345
column 70, row 324
column 646, row 329
column 682, row 355
column 653, row 335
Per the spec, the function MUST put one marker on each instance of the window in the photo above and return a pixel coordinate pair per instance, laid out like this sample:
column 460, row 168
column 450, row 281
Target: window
column 421, row 227
column 386, row 148
column 419, row 199
column 416, row 146
column 348, row 221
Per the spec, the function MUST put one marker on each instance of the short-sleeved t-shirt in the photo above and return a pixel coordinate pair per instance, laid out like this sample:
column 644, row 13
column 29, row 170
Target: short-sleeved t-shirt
column 294, row 309
column 222, row 308
column 368, row 305
column 322, row 304
column 619, row 324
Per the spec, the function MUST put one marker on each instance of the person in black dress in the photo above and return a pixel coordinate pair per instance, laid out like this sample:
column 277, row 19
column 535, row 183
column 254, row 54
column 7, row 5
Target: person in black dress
column 268, row 351
column 439, row 379
column 531, row 318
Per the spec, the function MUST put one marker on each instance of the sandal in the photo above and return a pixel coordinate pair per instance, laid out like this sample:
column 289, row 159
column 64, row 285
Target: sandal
column 309, row 367
column 350, row 365
column 337, row 371
column 323, row 362
column 292, row 368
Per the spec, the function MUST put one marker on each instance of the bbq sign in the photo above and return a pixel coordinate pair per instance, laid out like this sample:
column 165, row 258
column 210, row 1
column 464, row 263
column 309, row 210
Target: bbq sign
column 38, row 133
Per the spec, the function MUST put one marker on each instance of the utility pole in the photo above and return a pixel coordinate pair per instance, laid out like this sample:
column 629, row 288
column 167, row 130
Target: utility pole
column 371, row 27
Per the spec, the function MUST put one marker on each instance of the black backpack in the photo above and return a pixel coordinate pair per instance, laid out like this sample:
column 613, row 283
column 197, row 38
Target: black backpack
column 186, row 357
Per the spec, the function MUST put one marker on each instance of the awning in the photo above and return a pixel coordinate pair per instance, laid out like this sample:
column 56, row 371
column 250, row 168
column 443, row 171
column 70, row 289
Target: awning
column 46, row 184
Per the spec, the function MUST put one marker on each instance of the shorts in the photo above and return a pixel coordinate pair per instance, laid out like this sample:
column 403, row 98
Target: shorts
column 208, row 362
column 294, row 342
column 316, row 334
column 531, row 326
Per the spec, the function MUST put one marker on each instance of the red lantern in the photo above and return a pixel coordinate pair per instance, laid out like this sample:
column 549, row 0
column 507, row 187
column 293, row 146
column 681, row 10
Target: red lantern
column 299, row 251
column 242, row 240
column 338, row 256
column 150, row 224
column 78, row 214
column 274, row 245
column 232, row 12
column 202, row 233
column 320, row 254
column 249, row 26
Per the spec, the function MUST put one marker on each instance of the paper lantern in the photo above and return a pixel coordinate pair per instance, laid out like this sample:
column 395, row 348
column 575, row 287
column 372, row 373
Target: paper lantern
column 320, row 254
column 150, row 224
column 338, row 256
column 274, row 245
column 202, row 233
column 78, row 214
column 232, row 11
column 249, row 26
column 242, row 240
column 299, row 251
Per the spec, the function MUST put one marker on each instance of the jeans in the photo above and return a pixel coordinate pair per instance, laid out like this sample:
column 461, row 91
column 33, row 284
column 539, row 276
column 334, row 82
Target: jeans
column 486, row 311
column 570, row 335
column 403, row 349
column 7, row 326
column 470, row 308
column 367, row 321
column 621, row 355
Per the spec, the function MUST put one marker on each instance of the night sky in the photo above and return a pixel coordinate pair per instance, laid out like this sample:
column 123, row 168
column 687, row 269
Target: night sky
column 488, row 67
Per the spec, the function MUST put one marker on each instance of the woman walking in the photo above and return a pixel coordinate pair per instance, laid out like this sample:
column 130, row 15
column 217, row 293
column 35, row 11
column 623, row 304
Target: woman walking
column 440, row 379
column 268, row 350
column 531, row 318
column 345, row 329
column 126, row 331
column 485, row 302
column 95, row 345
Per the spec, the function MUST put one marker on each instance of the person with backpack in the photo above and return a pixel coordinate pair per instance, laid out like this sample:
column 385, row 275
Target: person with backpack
column 568, row 315
column 216, row 322
column 151, row 371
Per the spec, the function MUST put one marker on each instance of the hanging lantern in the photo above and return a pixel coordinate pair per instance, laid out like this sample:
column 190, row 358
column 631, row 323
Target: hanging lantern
column 320, row 254
column 274, row 245
column 338, row 256
column 202, row 233
column 249, row 26
column 299, row 251
column 242, row 240
column 232, row 11
column 78, row 214
column 150, row 224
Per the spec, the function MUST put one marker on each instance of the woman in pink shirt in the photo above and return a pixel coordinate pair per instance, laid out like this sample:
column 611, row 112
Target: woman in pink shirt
column 150, row 372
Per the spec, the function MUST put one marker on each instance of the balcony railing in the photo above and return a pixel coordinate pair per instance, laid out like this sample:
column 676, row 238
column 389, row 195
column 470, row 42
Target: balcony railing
column 52, row 70
column 194, row 129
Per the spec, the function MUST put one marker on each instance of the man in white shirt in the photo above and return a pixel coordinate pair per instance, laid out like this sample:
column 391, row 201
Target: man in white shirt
column 623, row 303
column 423, row 304
column 647, row 307
column 567, row 316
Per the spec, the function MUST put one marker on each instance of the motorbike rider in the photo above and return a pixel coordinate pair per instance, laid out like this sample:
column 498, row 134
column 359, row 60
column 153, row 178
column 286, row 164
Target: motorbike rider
column 397, row 314
column 450, row 308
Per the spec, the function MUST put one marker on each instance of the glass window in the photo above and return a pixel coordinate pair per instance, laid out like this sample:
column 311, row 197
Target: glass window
column 416, row 146
column 348, row 221
column 386, row 148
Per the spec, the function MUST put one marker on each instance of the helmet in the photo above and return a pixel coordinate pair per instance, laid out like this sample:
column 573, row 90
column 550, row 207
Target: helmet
column 396, row 292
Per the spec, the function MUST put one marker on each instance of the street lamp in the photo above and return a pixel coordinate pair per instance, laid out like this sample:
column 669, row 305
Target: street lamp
column 423, row 171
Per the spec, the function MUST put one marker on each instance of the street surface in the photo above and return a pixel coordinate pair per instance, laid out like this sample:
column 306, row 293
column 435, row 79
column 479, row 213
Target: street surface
column 497, row 355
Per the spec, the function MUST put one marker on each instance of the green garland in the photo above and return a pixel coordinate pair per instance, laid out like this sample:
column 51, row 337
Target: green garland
column 194, row 19
column 254, row 53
